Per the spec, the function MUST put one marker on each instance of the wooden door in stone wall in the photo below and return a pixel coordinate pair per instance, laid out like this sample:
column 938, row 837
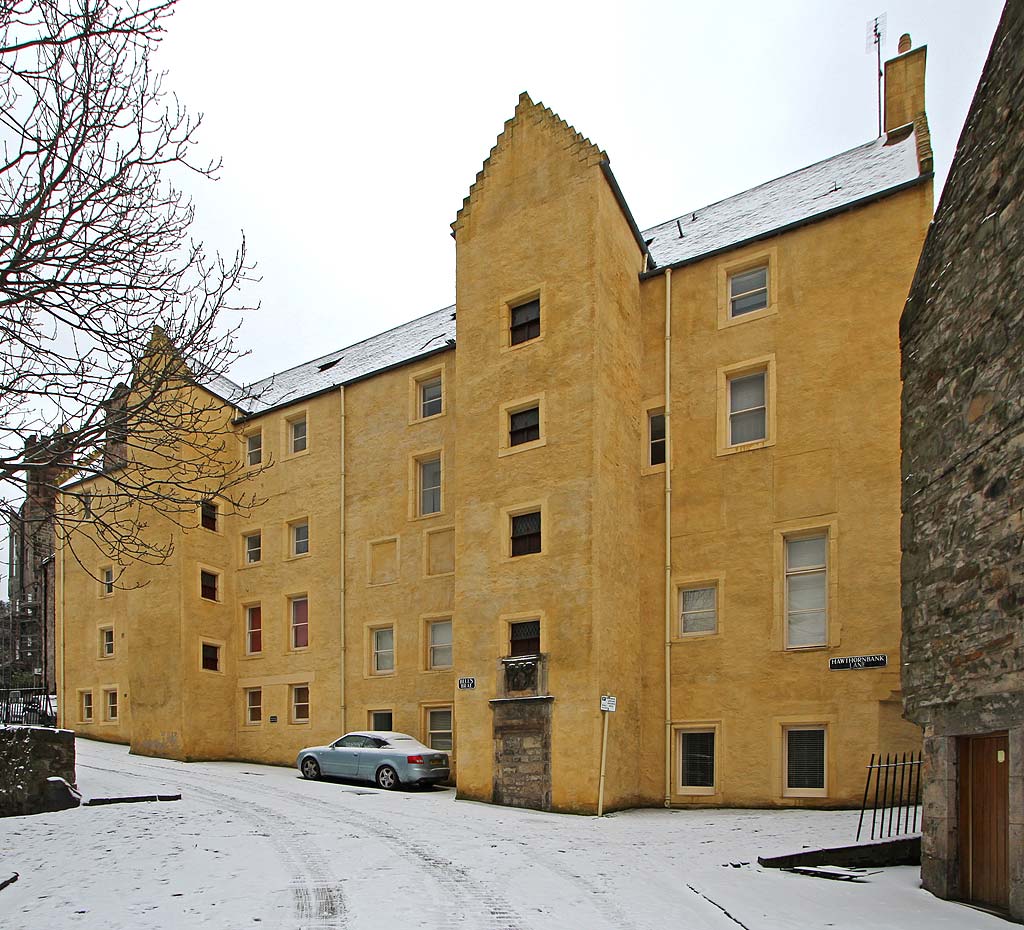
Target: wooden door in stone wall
column 984, row 819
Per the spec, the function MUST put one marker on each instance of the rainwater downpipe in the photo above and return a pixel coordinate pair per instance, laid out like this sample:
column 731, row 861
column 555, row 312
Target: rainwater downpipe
column 668, row 537
column 342, row 728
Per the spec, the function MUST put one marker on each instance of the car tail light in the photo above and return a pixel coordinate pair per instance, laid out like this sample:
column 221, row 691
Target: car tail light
column 414, row 760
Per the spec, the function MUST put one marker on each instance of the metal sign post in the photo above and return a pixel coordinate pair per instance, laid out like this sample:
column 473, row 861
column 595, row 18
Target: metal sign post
column 608, row 702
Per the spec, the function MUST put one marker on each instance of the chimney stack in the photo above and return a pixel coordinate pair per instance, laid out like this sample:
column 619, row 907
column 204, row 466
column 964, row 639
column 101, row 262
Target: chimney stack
column 904, row 85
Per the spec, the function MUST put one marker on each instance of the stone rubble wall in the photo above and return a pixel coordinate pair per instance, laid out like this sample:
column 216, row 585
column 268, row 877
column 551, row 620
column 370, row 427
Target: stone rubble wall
column 962, row 339
column 28, row 756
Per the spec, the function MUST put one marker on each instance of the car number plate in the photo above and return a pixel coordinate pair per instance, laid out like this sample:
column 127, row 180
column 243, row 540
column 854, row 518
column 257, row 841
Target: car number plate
column 437, row 761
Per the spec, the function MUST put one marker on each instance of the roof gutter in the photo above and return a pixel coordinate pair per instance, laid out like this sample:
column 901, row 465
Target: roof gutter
column 807, row 221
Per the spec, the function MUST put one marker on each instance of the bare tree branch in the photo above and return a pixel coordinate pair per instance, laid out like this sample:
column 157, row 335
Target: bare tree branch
column 104, row 296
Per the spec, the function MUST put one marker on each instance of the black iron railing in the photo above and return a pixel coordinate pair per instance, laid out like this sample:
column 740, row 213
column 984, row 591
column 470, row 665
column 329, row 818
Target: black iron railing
column 896, row 796
column 31, row 706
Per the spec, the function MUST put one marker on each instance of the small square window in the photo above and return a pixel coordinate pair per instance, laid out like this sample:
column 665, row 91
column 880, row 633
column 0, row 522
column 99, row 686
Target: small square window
column 524, row 322
column 254, row 449
column 748, row 291
column 86, row 707
column 381, row 720
column 697, row 760
column 253, row 629
column 698, row 610
column 747, row 409
column 383, row 650
column 300, row 538
column 110, row 705
column 806, row 591
column 524, row 426
column 805, row 761
column 208, row 515
column 440, row 644
column 300, row 703
column 253, row 705
column 106, row 642
column 524, row 638
column 107, row 583
column 656, row 437
column 253, row 548
column 439, row 728
column 526, row 536
column 208, row 583
column 297, row 435
column 430, row 397
column 211, row 657
column 300, row 622
column 429, row 486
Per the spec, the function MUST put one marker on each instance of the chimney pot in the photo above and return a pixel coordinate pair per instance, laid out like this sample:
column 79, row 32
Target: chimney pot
column 904, row 45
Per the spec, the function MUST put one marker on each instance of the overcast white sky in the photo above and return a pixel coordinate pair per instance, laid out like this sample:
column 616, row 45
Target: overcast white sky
column 351, row 132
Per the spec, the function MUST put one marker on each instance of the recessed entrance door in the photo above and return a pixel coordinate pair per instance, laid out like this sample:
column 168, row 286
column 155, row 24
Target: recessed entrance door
column 984, row 819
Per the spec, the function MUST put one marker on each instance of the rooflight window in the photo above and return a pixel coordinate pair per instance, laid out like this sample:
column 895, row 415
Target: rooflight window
column 748, row 291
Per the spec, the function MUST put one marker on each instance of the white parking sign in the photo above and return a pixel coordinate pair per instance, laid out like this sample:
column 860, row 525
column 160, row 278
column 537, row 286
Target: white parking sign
column 608, row 702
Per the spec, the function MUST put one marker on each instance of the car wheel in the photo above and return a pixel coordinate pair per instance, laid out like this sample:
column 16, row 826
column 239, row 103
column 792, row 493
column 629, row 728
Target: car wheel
column 309, row 768
column 387, row 778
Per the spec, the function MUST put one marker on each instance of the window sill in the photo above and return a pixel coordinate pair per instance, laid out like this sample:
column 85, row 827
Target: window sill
column 427, row 516
column 105, row 658
column 380, row 584
column 250, row 655
column 746, row 447
column 798, row 649
column 297, row 558
column 525, row 555
column 439, row 670
column 430, row 419
column 295, row 455
column 508, row 347
column 727, row 321
column 299, row 723
column 688, row 637
column 523, row 447
column 439, row 574
column 798, row 793
column 370, row 676
column 296, row 650
column 685, row 791
column 646, row 470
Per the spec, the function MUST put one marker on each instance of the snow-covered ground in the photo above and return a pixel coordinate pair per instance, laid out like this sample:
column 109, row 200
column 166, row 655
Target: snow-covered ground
column 256, row 846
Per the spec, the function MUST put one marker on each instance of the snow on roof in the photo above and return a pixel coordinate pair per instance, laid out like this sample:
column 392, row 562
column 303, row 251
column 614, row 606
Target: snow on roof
column 397, row 346
column 841, row 181
column 836, row 182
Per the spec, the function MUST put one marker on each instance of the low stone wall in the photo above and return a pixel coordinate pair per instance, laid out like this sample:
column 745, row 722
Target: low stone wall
column 28, row 757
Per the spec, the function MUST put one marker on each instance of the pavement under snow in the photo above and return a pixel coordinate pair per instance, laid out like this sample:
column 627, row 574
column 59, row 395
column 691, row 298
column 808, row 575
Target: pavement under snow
column 256, row 846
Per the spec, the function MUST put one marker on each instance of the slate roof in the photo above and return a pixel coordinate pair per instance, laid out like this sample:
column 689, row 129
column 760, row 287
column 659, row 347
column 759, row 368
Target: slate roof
column 836, row 182
column 864, row 172
column 397, row 346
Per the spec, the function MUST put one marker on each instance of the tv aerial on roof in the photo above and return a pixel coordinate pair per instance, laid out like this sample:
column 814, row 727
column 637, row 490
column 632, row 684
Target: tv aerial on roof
column 875, row 39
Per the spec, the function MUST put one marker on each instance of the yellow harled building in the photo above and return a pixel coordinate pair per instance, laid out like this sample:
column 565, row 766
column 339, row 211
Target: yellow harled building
column 464, row 533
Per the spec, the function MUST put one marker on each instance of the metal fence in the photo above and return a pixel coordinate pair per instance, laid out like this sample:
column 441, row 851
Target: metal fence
column 32, row 706
column 896, row 796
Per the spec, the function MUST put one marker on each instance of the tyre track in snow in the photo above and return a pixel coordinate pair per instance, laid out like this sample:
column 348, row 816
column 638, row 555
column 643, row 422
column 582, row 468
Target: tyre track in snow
column 317, row 902
column 467, row 899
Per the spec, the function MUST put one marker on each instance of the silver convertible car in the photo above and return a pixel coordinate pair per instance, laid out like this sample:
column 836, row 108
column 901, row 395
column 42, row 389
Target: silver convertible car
column 389, row 759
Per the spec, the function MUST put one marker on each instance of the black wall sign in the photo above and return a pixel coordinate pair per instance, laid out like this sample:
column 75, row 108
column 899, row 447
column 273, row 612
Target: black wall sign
column 847, row 662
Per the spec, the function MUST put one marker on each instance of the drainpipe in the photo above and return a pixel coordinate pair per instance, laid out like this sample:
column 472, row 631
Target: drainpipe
column 58, row 609
column 668, row 537
column 341, row 574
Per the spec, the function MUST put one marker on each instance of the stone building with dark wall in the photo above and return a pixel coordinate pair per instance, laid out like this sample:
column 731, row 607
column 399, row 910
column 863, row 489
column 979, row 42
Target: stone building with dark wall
column 962, row 337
